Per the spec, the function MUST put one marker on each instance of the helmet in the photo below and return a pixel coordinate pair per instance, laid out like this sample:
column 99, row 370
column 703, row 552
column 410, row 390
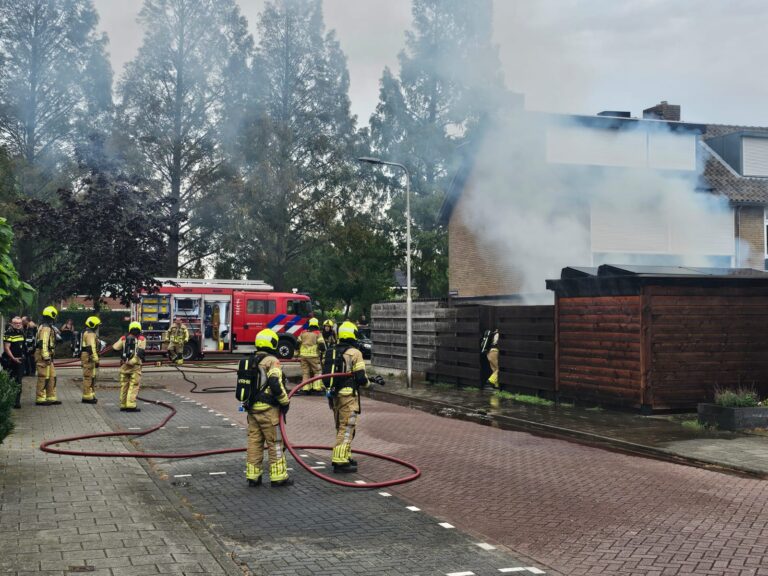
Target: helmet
column 267, row 340
column 50, row 312
column 348, row 332
column 92, row 321
column 328, row 323
column 314, row 323
column 134, row 326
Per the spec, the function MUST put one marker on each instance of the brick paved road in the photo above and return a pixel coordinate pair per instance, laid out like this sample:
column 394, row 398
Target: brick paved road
column 578, row 509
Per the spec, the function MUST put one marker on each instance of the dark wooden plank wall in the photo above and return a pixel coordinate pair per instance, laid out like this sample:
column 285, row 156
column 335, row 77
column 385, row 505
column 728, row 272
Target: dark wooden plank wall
column 457, row 358
column 526, row 347
column 706, row 337
column 389, row 336
column 599, row 349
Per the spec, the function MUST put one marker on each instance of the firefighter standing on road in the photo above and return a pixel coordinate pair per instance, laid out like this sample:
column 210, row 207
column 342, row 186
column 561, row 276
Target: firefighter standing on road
column 45, row 344
column 89, row 358
column 311, row 346
column 178, row 335
column 343, row 391
column 15, row 352
column 132, row 348
column 268, row 400
column 329, row 336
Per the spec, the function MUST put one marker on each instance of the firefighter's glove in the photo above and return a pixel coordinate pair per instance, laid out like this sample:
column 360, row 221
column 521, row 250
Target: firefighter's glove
column 377, row 380
column 284, row 411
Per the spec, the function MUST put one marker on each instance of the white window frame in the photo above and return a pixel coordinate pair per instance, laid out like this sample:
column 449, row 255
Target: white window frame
column 765, row 233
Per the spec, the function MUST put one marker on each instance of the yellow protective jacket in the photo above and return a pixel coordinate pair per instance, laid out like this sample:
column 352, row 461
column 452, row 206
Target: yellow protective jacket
column 46, row 341
column 275, row 383
column 178, row 335
column 311, row 343
column 354, row 363
column 90, row 344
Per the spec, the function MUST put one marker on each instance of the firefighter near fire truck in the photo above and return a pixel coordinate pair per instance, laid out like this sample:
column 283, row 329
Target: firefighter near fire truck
column 132, row 349
column 343, row 393
column 261, row 390
column 89, row 358
column 176, row 337
column 311, row 347
column 45, row 344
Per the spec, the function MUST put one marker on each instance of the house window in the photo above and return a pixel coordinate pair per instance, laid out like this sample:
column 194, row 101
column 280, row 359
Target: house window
column 765, row 227
column 261, row 307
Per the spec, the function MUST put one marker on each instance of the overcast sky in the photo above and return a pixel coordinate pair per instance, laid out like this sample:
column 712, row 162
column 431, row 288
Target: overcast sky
column 576, row 56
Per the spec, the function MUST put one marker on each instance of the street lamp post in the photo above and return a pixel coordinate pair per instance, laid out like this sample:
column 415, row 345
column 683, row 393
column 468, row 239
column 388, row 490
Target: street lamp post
column 408, row 300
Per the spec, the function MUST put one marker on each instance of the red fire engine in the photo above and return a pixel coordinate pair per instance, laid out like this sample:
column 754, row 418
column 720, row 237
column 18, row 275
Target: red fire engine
column 222, row 316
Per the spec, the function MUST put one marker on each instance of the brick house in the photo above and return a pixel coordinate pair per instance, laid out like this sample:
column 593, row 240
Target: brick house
column 727, row 163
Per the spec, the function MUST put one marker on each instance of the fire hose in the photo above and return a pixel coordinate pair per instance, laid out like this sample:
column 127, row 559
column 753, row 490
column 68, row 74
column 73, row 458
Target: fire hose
column 48, row 446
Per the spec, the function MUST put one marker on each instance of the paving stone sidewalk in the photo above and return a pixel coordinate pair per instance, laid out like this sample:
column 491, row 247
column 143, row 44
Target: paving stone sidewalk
column 102, row 516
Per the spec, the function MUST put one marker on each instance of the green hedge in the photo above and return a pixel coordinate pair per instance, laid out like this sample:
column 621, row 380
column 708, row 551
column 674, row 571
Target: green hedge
column 7, row 398
column 113, row 324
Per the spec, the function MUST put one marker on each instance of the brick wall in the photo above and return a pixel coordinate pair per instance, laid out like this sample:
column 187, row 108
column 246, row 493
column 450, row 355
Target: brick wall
column 751, row 226
column 473, row 269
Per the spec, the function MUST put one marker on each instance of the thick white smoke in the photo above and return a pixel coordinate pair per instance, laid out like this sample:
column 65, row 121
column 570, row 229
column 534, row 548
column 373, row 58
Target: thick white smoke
column 550, row 191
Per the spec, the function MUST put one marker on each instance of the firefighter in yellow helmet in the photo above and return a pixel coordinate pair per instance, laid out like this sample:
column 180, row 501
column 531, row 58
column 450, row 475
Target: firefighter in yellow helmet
column 311, row 346
column 343, row 393
column 490, row 346
column 178, row 335
column 132, row 349
column 328, row 333
column 266, row 399
column 89, row 358
column 45, row 343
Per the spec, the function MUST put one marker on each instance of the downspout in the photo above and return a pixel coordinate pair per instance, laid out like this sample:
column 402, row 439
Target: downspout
column 738, row 237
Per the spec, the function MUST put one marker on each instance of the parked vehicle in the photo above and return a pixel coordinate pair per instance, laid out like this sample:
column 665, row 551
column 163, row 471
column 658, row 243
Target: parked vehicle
column 364, row 342
column 222, row 316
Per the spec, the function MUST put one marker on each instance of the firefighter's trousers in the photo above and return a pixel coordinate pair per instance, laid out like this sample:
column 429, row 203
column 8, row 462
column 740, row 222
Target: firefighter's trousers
column 263, row 427
column 89, row 376
column 493, row 360
column 130, row 381
column 346, row 411
column 176, row 352
column 310, row 366
column 46, row 379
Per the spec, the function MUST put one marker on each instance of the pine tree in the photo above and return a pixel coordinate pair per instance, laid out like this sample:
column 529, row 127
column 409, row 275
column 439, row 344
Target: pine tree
column 177, row 106
column 449, row 82
column 300, row 140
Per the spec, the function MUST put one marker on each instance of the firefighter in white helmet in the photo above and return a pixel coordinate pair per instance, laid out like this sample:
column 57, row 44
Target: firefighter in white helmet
column 45, row 343
column 311, row 347
column 132, row 349
column 264, row 400
column 89, row 358
column 343, row 393
column 178, row 335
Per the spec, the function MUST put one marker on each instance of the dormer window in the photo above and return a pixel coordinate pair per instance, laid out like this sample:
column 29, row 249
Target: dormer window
column 754, row 156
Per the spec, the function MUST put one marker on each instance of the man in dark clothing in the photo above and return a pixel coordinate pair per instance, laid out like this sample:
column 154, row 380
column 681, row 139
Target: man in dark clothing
column 15, row 350
column 30, row 337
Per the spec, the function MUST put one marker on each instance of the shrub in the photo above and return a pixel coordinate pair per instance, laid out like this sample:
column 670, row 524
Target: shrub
column 741, row 397
column 7, row 398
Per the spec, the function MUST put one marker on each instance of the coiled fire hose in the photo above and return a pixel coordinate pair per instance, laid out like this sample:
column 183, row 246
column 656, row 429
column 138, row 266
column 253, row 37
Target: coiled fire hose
column 48, row 446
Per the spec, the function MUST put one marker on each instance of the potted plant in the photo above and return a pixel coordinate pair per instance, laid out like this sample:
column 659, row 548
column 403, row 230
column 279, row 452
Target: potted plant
column 734, row 409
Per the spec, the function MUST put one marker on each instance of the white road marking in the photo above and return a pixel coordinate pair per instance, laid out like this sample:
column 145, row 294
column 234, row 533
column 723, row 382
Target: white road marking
column 446, row 525
column 226, row 419
column 216, row 473
column 534, row 570
column 360, row 482
column 182, row 427
column 219, row 414
column 182, row 475
column 188, row 401
column 508, row 570
column 134, row 428
column 320, row 463
column 460, row 574
column 304, row 455
column 485, row 546
column 413, row 508
column 385, row 494
column 317, row 467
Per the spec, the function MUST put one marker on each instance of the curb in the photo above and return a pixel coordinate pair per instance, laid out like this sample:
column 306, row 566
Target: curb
column 449, row 410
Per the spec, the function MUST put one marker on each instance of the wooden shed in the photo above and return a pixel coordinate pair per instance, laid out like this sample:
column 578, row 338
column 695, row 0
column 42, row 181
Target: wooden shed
column 658, row 338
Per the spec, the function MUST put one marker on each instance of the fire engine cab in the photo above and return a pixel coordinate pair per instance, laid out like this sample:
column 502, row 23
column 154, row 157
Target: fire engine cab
column 222, row 316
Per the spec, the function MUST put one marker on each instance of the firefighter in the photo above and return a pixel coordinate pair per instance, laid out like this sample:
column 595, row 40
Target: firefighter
column 311, row 346
column 15, row 353
column 178, row 335
column 45, row 344
column 344, row 395
column 89, row 358
column 491, row 348
column 329, row 335
column 132, row 349
column 268, row 400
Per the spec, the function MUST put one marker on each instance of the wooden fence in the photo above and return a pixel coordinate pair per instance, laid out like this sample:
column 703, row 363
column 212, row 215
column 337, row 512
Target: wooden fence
column 446, row 343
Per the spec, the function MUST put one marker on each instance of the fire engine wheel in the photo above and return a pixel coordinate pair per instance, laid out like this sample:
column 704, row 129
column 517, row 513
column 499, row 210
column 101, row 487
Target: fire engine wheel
column 285, row 349
column 190, row 351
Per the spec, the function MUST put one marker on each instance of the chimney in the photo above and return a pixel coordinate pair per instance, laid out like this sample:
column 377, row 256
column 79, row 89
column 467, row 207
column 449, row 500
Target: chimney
column 663, row 111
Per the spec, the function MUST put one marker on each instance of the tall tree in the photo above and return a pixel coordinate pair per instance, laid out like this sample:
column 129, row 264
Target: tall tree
column 300, row 139
column 13, row 291
column 449, row 81
column 174, row 108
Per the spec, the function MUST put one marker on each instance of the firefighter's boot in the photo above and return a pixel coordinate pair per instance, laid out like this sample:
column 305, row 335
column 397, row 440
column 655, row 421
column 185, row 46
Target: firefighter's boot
column 281, row 483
